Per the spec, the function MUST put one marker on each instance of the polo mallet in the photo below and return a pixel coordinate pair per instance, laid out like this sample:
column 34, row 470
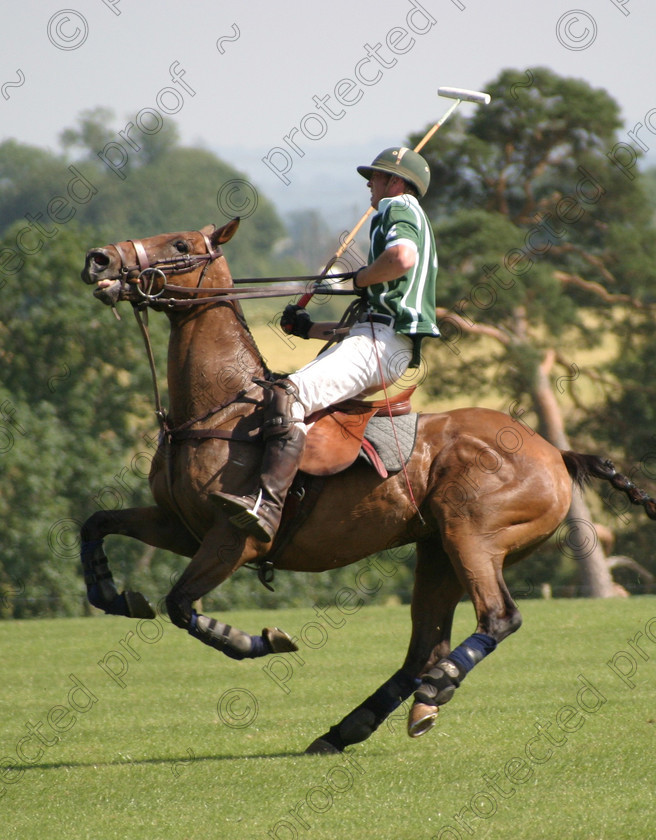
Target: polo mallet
column 460, row 95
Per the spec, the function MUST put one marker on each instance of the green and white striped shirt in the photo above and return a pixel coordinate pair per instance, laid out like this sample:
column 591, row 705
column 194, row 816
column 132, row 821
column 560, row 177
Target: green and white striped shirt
column 411, row 298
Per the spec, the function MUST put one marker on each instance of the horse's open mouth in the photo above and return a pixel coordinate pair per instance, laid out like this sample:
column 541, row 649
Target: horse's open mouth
column 108, row 291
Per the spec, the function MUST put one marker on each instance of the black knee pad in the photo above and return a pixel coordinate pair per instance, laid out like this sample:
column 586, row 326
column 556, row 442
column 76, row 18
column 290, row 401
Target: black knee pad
column 278, row 402
column 439, row 684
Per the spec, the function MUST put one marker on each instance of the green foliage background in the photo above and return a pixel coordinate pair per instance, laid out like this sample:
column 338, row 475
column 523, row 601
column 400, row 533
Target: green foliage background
column 77, row 428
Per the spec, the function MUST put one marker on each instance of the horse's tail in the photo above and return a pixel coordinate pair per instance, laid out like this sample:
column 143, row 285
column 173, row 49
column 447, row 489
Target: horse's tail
column 582, row 468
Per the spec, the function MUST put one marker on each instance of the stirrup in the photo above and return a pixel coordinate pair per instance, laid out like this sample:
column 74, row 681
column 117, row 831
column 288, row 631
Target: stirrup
column 244, row 518
column 249, row 523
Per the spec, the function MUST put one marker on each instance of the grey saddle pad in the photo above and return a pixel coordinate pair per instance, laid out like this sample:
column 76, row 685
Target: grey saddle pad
column 381, row 434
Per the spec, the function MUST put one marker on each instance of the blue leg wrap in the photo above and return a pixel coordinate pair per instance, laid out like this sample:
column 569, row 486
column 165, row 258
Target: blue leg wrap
column 101, row 589
column 439, row 684
column 472, row 650
column 232, row 642
column 88, row 549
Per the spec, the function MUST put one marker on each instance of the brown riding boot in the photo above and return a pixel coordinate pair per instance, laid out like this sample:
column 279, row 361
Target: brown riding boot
column 259, row 515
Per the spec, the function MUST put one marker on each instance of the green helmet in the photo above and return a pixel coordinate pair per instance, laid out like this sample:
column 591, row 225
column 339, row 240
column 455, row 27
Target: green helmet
column 403, row 162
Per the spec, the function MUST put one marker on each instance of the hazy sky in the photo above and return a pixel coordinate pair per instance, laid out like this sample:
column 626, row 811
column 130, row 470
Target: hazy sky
column 340, row 80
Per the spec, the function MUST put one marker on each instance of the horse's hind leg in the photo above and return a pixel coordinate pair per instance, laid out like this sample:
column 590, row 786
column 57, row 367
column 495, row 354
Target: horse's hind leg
column 151, row 525
column 479, row 566
column 437, row 591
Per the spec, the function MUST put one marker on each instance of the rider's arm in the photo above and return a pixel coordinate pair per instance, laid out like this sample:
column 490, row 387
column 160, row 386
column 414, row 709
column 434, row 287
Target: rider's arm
column 393, row 263
column 323, row 330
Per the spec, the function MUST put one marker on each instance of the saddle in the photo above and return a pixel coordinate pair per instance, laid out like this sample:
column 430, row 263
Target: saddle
column 336, row 434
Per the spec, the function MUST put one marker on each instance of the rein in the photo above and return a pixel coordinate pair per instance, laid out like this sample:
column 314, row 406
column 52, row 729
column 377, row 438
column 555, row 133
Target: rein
column 151, row 285
column 184, row 431
column 153, row 291
column 216, row 295
column 151, row 281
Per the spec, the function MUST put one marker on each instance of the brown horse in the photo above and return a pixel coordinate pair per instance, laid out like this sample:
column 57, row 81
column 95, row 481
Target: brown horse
column 486, row 491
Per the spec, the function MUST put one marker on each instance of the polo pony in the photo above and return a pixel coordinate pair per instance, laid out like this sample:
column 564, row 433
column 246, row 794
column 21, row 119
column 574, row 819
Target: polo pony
column 484, row 492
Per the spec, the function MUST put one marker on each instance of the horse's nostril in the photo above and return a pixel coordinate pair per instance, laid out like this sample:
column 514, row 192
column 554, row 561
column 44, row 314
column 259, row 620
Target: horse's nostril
column 99, row 258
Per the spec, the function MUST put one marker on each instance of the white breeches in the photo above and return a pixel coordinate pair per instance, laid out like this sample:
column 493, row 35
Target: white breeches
column 352, row 368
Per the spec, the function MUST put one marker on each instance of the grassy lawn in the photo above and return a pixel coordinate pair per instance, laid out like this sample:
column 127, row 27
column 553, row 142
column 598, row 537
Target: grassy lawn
column 152, row 735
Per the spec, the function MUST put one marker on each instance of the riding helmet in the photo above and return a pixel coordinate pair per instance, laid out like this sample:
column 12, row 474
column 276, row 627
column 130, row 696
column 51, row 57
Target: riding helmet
column 403, row 162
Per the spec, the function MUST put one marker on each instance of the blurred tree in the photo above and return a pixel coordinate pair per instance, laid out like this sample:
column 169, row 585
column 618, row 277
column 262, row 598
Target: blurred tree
column 160, row 186
column 91, row 134
column 29, row 177
column 649, row 182
column 542, row 242
column 77, row 428
column 75, row 400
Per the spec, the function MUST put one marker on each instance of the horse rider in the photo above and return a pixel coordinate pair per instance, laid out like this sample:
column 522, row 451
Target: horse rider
column 397, row 312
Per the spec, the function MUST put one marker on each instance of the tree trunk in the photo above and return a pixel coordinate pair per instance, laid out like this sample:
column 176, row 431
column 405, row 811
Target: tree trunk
column 582, row 542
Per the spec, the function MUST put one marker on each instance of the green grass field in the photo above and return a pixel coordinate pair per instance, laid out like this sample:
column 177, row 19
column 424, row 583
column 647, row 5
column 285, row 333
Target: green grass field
column 153, row 735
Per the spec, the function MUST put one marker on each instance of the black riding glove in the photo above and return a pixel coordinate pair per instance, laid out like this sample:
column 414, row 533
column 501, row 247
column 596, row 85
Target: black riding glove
column 296, row 321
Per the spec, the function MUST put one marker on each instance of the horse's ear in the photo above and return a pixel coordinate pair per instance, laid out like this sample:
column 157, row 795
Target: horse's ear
column 225, row 233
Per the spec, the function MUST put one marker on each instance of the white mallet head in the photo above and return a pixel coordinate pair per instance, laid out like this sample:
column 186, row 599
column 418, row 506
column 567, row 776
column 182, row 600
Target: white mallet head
column 465, row 95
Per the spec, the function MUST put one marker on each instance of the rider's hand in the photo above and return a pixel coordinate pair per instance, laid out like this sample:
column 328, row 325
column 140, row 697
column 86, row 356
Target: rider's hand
column 359, row 290
column 295, row 321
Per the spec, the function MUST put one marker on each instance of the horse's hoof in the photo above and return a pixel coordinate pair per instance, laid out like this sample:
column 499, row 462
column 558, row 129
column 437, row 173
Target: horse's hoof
column 421, row 719
column 138, row 606
column 321, row 747
column 279, row 641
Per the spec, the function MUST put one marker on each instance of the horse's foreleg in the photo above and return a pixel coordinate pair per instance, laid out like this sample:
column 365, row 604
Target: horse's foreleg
column 151, row 525
column 497, row 617
column 436, row 594
column 221, row 553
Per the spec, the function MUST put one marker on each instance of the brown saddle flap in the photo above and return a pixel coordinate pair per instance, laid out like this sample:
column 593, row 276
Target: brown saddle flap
column 335, row 433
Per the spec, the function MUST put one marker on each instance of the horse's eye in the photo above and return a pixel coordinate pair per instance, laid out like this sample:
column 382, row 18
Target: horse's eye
column 182, row 246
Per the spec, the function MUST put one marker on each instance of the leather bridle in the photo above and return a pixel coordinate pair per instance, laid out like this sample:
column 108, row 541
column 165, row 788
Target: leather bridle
column 174, row 265
column 151, row 279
